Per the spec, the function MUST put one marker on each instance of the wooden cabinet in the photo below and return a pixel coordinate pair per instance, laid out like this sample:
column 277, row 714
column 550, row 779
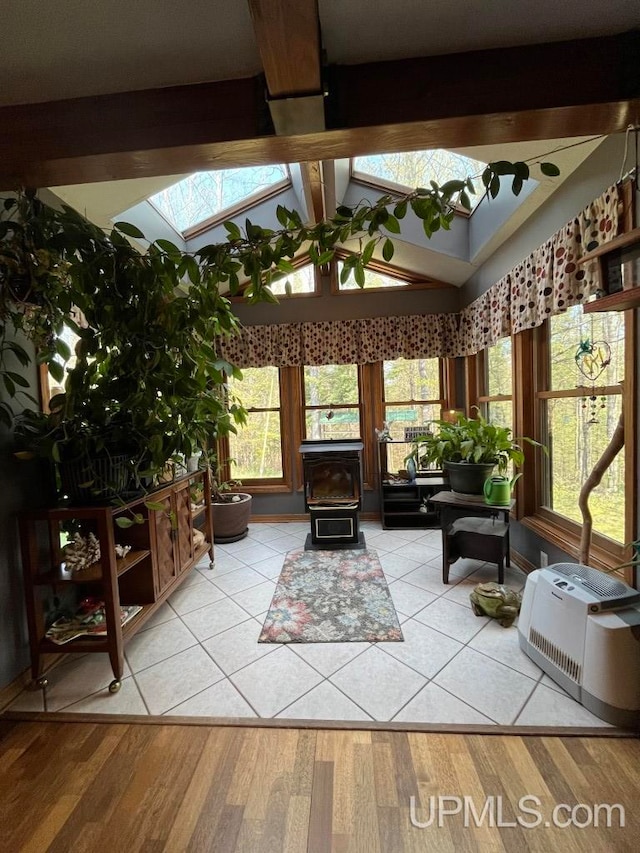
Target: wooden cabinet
column 161, row 534
column 404, row 504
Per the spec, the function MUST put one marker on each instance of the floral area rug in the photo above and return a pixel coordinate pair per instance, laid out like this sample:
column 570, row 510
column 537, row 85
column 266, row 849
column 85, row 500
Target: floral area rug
column 331, row 597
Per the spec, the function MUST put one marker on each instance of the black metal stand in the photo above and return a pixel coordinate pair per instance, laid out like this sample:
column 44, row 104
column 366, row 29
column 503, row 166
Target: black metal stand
column 360, row 545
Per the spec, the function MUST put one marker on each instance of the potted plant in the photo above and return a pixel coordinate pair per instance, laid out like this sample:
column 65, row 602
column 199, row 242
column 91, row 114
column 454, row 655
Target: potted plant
column 231, row 509
column 468, row 450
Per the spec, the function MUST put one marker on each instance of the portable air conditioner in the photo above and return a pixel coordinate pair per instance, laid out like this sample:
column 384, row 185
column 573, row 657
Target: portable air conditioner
column 582, row 628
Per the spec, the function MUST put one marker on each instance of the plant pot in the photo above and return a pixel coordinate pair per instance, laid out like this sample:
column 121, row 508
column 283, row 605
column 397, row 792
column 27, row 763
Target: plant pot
column 467, row 478
column 231, row 519
column 93, row 481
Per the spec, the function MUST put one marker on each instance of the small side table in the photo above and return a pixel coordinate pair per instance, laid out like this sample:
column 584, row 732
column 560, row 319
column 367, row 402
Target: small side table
column 488, row 542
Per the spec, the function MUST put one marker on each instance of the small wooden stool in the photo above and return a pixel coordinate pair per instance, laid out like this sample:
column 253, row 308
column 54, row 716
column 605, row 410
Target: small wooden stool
column 484, row 539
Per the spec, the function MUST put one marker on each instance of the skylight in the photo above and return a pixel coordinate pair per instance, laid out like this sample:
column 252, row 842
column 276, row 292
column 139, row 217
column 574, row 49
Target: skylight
column 207, row 195
column 410, row 169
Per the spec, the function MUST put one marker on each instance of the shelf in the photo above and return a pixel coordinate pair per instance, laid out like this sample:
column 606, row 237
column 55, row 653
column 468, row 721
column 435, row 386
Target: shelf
column 199, row 554
column 125, row 563
column 80, row 644
column 92, row 574
column 620, row 301
column 197, row 511
column 415, row 513
column 129, row 628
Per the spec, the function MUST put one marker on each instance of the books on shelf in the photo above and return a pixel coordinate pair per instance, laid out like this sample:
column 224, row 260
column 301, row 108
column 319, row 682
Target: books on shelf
column 88, row 620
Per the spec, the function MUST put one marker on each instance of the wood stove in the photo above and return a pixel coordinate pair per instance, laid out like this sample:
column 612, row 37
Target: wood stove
column 333, row 492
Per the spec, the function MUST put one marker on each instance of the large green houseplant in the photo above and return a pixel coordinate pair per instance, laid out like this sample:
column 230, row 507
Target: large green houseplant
column 468, row 449
column 148, row 383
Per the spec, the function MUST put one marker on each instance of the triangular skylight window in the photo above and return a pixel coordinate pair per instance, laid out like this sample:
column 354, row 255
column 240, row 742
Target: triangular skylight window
column 410, row 169
column 206, row 196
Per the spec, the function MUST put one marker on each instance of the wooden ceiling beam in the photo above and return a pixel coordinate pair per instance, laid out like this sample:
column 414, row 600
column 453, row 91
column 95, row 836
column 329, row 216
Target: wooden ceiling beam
column 288, row 36
column 312, row 188
column 510, row 96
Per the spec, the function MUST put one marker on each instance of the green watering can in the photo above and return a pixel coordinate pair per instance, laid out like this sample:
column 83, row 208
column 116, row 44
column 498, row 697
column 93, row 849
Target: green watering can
column 497, row 490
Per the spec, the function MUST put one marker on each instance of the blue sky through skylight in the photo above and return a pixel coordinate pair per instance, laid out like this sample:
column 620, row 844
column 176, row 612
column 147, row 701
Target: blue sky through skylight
column 204, row 195
column 413, row 169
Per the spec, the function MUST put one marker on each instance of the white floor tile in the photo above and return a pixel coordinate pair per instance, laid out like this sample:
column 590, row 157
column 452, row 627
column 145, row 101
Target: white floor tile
column 378, row 683
column 192, row 597
column 126, row 701
column 550, row 708
column 270, row 568
column 217, row 617
column 451, row 619
column 427, row 577
column 263, row 533
column 253, row 552
column 27, row 700
column 275, row 681
column 69, row 684
column 324, row 702
column 417, row 551
column 284, row 544
column 192, row 579
column 256, row 598
column 237, row 581
column 224, row 564
column 157, row 644
column 423, row 649
column 329, row 657
column 434, row 705
column 513, row 576
column 493, row 689
column 220, row 700
column 549, row 682
column 177, row 679
column 163, row 614
column 389, row 541
column 395, row 566
column 409, row 599
column 239, row 646
column 501, row 644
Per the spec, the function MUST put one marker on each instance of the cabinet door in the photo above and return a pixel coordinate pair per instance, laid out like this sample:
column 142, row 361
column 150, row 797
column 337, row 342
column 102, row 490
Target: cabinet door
column 184, row 528
column 165, row 539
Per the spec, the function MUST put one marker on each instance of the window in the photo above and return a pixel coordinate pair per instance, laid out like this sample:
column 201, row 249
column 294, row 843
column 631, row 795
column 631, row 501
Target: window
column 301, row 281
column 257, row 447
column 413, row 396
column 372, row 280
column 410, row 169
column 332, row 401
column 579, row 414
column 207, row 196
column 496, row 384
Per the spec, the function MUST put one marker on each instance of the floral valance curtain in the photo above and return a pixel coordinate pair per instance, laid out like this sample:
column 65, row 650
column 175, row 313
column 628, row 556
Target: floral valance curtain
column 545, row 283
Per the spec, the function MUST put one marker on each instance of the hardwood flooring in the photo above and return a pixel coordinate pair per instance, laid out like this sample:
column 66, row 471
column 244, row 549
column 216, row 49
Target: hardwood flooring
column 83, row 786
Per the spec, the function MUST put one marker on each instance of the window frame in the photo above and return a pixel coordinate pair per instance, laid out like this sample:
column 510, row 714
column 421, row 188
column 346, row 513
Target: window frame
column 410, row 281
column 483, row 398
column 255, row 485
column 298, row 263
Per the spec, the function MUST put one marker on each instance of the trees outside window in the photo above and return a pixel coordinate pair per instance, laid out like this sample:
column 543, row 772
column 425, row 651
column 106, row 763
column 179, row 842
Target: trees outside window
column 257, row 448
column 332, row 401
column 497, row 384
column 577, row 428
column 413, row 396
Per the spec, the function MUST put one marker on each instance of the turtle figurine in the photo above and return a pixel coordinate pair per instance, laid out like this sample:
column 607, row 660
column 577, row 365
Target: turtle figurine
column 497, row 601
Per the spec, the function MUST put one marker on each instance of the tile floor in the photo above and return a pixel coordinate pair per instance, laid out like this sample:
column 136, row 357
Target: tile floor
column 199, row 655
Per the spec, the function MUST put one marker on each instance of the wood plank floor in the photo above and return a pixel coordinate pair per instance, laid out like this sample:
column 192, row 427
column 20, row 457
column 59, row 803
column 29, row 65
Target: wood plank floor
column 82, row 786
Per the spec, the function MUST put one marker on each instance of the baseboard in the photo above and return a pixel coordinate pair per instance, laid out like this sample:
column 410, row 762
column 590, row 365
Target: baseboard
column 274, row 519
column 521, row 562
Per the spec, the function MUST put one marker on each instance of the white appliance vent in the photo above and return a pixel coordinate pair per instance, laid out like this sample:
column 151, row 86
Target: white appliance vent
column 606, row 588
column 562, row 660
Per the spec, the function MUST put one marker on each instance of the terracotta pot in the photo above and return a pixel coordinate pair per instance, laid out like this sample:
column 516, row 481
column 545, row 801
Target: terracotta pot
column 231, row 519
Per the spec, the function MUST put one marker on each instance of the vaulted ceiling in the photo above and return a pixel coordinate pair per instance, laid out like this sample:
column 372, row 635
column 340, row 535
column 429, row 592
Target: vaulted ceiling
column 137, row 93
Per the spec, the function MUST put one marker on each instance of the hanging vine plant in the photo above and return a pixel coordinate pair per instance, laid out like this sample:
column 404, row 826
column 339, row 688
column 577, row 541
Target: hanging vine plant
column 147, row 378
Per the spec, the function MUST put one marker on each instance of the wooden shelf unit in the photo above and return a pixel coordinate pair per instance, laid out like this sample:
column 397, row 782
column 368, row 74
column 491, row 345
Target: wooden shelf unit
column 163, row 551
column 400, row 501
